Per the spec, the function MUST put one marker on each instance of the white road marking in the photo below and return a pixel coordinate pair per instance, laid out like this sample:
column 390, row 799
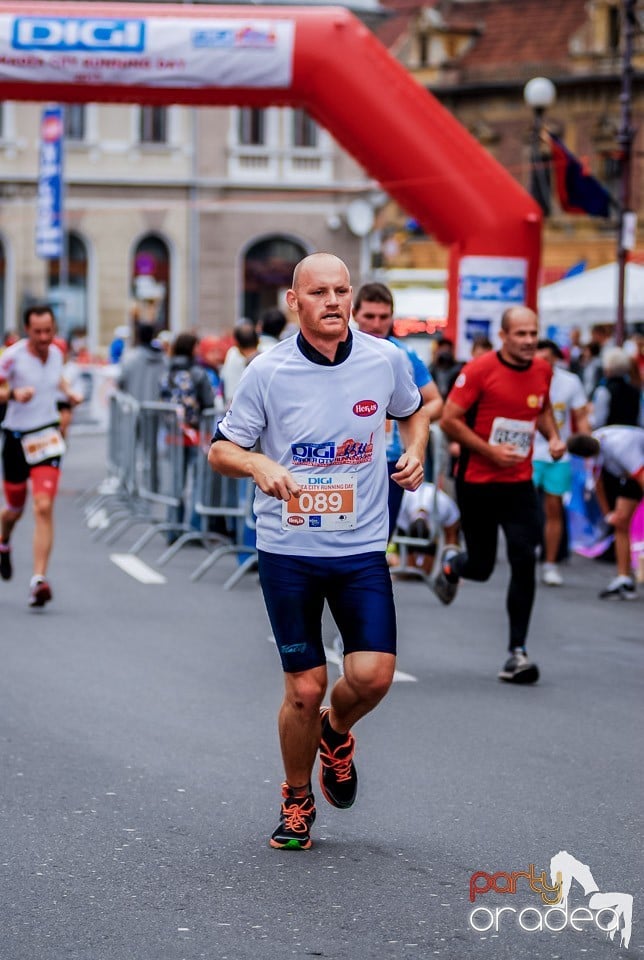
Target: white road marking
column 334, row 657
column 137, row 568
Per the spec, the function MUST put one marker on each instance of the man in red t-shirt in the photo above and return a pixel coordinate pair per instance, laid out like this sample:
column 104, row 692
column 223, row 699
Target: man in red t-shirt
column 497, row 403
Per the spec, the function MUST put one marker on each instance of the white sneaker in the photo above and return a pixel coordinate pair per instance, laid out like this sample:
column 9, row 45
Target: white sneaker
column 550, row 575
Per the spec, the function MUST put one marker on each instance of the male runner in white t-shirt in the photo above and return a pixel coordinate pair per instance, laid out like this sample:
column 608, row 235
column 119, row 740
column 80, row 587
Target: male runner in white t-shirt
column 31, row 376
column 318, row 404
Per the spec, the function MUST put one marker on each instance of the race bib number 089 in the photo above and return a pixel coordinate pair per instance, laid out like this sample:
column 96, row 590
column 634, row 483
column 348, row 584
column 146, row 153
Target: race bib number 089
column 324, row 503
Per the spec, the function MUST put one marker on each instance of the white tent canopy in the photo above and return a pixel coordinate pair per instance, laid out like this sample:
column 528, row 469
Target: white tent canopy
column 591, row 297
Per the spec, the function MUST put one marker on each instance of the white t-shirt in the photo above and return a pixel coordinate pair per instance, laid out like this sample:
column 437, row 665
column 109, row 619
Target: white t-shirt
column 421, row 501
column 20, row 368
column 566, row 394
column 326, row 424
column 622, row 450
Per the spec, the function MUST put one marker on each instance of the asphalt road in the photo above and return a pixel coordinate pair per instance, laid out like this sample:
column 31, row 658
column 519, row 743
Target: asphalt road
column 140, row 770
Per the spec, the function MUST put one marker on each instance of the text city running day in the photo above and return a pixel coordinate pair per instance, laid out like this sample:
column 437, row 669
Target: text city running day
column 532, row 919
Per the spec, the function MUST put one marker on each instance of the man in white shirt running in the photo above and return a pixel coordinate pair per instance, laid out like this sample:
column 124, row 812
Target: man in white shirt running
column 554, row 477
column 31, row 377
column 318, row 404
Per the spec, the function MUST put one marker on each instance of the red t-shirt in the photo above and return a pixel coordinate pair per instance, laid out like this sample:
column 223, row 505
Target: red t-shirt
column 502, row 403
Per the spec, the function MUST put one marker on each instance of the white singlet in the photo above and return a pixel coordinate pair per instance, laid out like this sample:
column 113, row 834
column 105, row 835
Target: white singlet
column 20, row 368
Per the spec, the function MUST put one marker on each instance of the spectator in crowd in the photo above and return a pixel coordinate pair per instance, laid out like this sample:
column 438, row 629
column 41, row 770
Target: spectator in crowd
column 119, row 343
column 211, row 353
column 272, row 324
column 445, row 368
column 553, row 477
column 590, row 367
column 634, row 347
column 245, row 348
column 616, row 400
column 186, row 384
column 480, row 345
column 423, row 517
column 142, row 367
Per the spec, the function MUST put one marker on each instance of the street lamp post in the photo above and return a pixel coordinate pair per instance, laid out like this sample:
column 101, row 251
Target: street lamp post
column 539, row 93
column 625, row 140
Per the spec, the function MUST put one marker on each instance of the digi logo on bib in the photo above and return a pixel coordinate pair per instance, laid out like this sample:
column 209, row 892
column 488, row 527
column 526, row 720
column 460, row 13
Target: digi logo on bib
column 79, row 34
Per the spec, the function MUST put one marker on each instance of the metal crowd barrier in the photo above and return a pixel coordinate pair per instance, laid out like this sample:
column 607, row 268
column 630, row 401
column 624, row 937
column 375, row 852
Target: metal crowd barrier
column 116, row 495
column 166, row 466
column 215, row 496
column 407, row 545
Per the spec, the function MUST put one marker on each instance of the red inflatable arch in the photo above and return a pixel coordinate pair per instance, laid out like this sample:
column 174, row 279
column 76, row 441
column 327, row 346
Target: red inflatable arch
column 324, row 60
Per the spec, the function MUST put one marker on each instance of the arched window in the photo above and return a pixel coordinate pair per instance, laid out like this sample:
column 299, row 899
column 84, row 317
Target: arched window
column 67, row 284
column 151, row 281
column 268, row 271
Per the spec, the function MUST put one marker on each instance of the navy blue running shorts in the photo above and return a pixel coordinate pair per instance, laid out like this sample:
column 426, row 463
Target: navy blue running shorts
column 357, row 589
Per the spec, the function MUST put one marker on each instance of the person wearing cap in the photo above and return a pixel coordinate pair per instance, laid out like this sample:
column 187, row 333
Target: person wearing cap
column 554, row 478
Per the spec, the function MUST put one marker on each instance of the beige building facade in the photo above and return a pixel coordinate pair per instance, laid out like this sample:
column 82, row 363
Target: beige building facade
column 191, row 217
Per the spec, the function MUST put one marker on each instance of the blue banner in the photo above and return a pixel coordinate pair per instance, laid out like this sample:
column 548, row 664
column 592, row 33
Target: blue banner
column 49, row 217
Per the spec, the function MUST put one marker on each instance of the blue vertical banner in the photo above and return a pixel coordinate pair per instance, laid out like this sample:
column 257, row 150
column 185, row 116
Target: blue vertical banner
column 49, row 216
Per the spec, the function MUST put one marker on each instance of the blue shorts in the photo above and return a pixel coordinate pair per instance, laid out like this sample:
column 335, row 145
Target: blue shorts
column 554, row 478
column 357, row 589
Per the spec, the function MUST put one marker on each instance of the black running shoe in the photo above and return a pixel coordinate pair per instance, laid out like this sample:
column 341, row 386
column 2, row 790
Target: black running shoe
column 518, row 669
column 621, row 588
column 445, row 583
column 39, row 593
column 6, row 570
column 297, row 816
column 338, row 775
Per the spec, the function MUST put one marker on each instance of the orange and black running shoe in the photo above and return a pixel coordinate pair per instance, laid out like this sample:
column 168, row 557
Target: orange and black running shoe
column 297, row 816
column 338, row 775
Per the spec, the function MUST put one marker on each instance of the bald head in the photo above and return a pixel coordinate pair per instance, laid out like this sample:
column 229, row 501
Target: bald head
column 514, row 315
column 519, row 334
column 321, row 298
column 317, row 263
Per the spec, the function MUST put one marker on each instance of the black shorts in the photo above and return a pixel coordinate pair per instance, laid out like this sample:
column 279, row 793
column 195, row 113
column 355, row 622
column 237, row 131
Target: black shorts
column 615, row 487
column 359, row 594
column 15, row 468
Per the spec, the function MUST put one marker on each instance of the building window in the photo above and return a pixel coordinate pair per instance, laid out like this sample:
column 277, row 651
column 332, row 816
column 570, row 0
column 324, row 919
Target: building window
column 251, row 127
column 614, row 25
column 67, row 282
column 151, row 281
column 153, row 125
column 304, row 130
column 74, row 114
column 268, row 273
